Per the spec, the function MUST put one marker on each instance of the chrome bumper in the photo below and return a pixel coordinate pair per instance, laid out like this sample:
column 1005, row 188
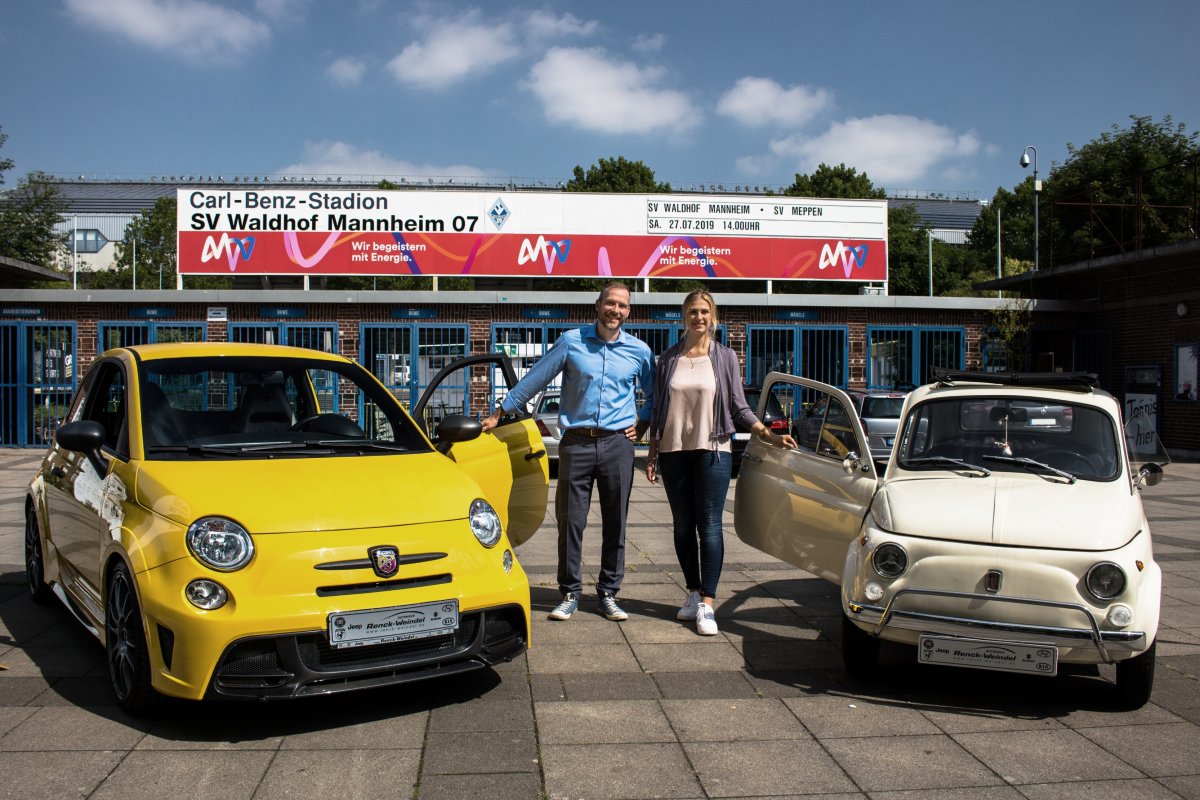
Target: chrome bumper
column 925, row 622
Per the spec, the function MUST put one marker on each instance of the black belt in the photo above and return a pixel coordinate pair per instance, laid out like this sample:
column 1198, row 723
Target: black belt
column 592, row 433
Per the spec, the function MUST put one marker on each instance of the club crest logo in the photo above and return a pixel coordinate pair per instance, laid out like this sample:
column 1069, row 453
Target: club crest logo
column 498, row 213
column 385, row 561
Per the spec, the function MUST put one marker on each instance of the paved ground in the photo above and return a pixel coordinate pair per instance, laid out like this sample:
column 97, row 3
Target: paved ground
column 641, row 709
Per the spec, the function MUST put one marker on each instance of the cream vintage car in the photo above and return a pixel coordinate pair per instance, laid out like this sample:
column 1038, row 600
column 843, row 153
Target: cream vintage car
column 1008, row 533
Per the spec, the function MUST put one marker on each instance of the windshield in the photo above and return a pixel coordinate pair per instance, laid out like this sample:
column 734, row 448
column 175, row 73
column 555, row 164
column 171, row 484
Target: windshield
column 1012, row 434
column 264, row 407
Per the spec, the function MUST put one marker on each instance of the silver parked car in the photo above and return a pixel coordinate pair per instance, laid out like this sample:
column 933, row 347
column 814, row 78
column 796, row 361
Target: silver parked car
column 880, row 416
column 545, row 415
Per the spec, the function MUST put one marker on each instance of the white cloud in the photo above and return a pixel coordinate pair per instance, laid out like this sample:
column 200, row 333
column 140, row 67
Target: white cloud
column 548, row 27
column 193, row 29
column 891, row 149
column 761, row 101
column 588, row 90
column 284, row 10
column 346, row 71
column 348, row 161
column 648, row 43
column 454, row 49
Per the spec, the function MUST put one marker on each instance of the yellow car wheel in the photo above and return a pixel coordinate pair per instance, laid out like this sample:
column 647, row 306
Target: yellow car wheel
column 125, row 643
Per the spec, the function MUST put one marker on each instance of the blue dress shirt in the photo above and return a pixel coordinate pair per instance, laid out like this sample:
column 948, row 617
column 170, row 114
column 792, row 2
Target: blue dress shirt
column 598, row 380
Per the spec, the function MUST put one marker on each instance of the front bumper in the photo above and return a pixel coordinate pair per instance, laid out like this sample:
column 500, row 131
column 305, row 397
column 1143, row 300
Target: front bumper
column 304, row 664
column 1109, row 645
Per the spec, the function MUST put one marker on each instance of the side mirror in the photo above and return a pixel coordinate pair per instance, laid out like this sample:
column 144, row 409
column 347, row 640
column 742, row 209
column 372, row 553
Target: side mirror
column 852, row 461
column 456, row 428
column 1150, row 474
column 84, row 436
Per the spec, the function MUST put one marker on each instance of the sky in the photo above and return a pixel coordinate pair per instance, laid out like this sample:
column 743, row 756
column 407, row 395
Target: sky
column 923, row 96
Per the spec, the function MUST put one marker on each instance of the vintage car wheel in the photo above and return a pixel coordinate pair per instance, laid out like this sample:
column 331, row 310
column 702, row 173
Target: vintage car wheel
column 860, row 650
column 1135, row 679
column 125, row 644
column 35, row 564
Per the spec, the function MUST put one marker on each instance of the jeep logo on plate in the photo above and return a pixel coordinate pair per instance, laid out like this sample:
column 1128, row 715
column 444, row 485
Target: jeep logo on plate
column 384, row 560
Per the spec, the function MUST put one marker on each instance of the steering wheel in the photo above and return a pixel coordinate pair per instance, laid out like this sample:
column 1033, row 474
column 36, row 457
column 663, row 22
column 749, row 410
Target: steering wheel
column 334, row 424
column 304, row 423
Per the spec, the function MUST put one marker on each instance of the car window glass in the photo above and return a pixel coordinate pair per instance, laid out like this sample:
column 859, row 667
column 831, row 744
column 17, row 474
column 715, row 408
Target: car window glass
column 837, row 433
column 808, row 426
column 106, row 404
column 882, row 407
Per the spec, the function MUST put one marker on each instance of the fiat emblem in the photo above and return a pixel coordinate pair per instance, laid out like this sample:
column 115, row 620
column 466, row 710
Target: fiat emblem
column 385, row 561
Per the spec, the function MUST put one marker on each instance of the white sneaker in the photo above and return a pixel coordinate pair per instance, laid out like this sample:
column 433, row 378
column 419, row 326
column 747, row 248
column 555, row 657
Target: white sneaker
column 706, row 620
column 688, row 610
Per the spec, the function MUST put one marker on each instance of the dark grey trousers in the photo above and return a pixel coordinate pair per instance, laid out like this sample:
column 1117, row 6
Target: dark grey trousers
column 606, row 463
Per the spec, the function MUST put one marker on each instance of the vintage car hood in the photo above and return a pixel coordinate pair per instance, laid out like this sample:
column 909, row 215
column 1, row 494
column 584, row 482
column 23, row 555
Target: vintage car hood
column 1014, row 510
column 309, row 494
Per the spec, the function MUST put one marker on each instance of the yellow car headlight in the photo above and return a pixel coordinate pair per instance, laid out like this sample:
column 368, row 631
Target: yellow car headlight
column 220, row 543
column 485, row 523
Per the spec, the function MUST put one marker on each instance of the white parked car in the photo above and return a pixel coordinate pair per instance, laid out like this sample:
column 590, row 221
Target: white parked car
column 1008, row 533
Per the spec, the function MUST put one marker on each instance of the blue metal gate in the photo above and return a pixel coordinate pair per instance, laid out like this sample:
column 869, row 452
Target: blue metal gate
column 810, row 351
column 38, row 376
column 904, row 358
column 320, row 336
column 127, row 334
column 405, row 357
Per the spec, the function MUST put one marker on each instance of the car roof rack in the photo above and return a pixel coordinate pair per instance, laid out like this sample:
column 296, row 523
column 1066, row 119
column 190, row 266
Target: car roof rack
column 1071, row 381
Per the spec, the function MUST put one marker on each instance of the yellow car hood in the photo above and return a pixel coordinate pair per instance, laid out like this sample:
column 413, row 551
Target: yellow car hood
column 309, row 494
column 1015, row 510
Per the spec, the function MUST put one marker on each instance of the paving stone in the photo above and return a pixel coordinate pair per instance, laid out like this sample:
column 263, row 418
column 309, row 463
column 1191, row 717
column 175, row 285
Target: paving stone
column 731, row 720
column 567, row 658
column 751, row 769
column 55, row 775
column 831, row 716
column 393, row 731
column 1142, row 789
column 501, row 786
column 352, row 774
column 1156, row 750
column 155, row 775
column 610, row 686
column 70, row 728
column 485, row 714
column 708, row 657
column 703, row 685
column 1021, row 757
column 627, row 771
column 603, row 722
column 476, row 753
column 909, row 762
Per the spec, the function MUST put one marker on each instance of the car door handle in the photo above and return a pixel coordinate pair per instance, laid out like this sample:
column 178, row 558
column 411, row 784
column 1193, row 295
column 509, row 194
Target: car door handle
column 535, row 454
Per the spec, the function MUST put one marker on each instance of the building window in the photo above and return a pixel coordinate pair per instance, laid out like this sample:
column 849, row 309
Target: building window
column 89, row 241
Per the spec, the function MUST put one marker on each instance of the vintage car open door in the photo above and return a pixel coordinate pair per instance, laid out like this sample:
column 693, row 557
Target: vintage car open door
column 509, row 462
column 804, row 506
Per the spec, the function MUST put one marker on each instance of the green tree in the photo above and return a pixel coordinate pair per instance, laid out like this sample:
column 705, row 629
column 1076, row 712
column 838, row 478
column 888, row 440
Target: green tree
column 840, row 181
column 28, row 216
column 616, row 175
column 1129, row 188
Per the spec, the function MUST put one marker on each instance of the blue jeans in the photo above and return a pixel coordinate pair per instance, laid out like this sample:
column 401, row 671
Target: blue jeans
column 697, row 482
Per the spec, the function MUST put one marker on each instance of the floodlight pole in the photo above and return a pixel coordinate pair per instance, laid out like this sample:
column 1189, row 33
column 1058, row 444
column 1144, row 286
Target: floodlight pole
column 1037, row 188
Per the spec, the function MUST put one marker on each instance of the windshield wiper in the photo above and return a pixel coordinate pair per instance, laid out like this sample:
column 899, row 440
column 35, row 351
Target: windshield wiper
column 1029, row 462
column 935, row 461
column 360, row 444
column 199, row 449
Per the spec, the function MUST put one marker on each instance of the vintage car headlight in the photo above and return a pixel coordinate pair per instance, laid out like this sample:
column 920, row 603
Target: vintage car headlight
column 220, row 543
column 1105, row 580
column 206, row 594
column 485, row 523
column 889, row 560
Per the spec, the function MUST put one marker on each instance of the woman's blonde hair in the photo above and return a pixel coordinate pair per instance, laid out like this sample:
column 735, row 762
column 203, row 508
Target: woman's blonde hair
column 700, row 294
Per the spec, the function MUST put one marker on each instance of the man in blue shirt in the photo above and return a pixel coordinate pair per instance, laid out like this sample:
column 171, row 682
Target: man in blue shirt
column 600, row 365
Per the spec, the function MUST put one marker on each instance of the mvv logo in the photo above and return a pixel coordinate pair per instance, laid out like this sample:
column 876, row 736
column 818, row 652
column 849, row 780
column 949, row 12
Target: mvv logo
column 847, row 257
column 547, row 251
column 228, row 247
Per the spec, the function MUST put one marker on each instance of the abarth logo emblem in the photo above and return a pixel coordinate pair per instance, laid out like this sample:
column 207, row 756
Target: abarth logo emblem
column 385, row 561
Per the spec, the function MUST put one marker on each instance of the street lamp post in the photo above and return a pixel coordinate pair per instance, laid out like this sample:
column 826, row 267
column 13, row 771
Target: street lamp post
column 1037, row 187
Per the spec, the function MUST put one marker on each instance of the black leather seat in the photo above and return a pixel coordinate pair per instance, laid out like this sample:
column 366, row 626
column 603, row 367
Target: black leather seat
column 265, row 408
column 160, row 427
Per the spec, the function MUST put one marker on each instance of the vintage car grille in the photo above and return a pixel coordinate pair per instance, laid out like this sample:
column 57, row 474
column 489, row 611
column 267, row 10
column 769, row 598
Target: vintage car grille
column 286, row 666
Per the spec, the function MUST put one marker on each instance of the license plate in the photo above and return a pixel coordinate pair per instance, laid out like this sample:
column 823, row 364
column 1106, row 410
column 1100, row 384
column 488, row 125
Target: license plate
column 396, row 624
column 1040, row 659
column 741, row 437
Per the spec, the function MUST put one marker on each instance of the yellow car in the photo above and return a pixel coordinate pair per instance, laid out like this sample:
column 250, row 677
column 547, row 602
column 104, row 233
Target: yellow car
column 253, row 521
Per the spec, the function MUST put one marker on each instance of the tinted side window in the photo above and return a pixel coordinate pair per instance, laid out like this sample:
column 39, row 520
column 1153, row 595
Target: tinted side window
column 837, row 434
column 106, row 403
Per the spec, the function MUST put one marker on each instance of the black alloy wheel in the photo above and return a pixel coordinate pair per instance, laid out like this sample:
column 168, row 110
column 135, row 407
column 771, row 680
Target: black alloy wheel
column 125, row 645
column 35, row 563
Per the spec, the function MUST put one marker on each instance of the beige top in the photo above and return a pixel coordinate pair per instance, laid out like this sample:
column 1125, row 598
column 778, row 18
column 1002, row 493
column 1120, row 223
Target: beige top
column 689, row 421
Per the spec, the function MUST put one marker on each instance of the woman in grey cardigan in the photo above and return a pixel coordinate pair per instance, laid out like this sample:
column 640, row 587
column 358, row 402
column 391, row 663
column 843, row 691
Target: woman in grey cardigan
column 698, row 404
